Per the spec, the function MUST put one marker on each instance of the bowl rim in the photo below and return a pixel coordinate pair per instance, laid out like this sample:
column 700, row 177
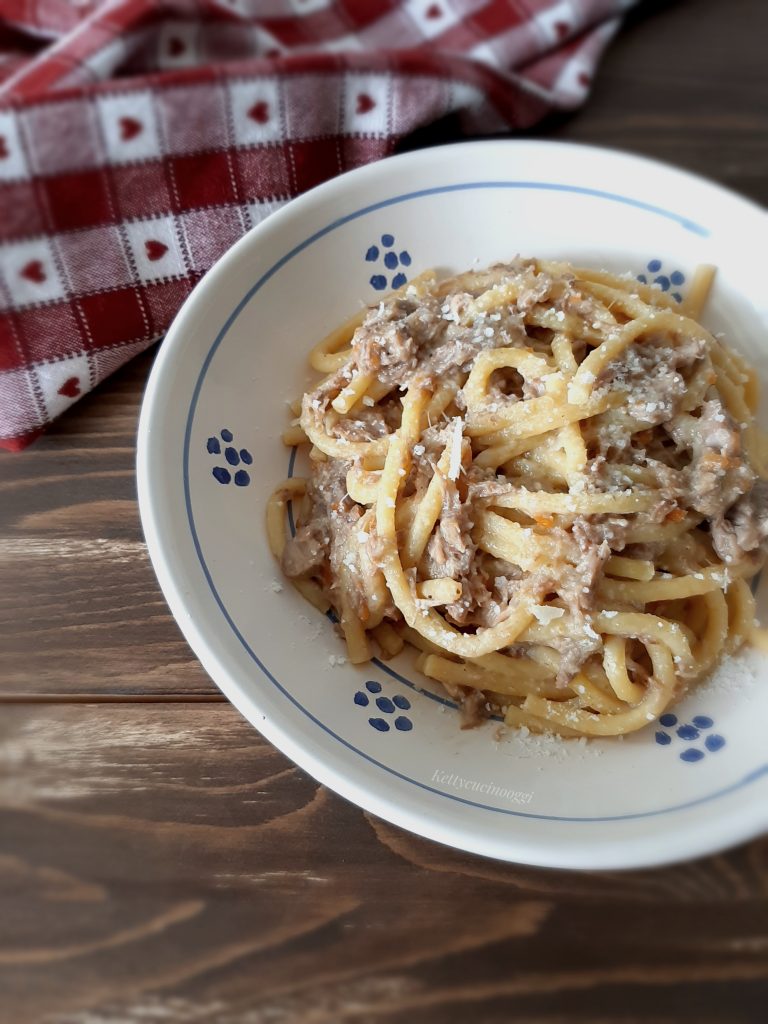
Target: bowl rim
column 645, row 850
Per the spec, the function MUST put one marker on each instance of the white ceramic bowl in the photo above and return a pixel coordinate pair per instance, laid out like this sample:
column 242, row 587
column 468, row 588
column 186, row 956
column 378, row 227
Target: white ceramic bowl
column 237, row 352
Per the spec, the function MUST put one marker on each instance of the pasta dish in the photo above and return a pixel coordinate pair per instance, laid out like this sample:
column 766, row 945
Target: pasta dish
column 548, row 480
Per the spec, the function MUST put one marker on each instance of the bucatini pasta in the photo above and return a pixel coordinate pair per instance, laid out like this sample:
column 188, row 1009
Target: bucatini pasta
column 546, row 479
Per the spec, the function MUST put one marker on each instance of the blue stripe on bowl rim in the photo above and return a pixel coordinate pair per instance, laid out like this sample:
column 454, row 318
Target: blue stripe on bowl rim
column 612, row 197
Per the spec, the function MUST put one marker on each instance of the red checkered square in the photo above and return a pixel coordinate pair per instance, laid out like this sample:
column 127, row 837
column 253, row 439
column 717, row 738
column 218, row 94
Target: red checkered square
column 193, row 118
column 93, row 259
column 163, row 302
column 77, row 200
column 50, row 331
column 11, row 354
column 209, row 233
column 263, row 173
column 141, row 190
column 21, row 214
column 61, row 137
column 314, row 162
column 114, row 317
column 313, row 105
column 357, row 151
column 203, row 180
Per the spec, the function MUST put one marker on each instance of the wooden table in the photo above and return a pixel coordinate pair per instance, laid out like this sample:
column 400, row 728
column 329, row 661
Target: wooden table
column 159, row 861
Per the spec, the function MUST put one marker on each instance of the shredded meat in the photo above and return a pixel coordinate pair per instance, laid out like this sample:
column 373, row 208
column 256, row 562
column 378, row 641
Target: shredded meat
column 596, row 537
column 650, row 374
column 306, row 553
column 450, row 550
column 717, row 475
column 744, row 528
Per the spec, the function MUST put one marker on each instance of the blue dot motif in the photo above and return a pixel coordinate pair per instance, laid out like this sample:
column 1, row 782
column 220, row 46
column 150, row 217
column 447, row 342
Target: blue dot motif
column 379, row 282
column 714, row 743
column 668, row 720
column 692, row 755
column 390, row 260
column 663, row 738
column 702, row 722
column 387, row 240
column 405, row 258
column 372, row 254
column 688, row 732
column 399, row 280
column 654, row 266
column 662, row 282
column 677, row 277
column 386, row 705
column 642, row 279
column 677, row 296
column 232, row 455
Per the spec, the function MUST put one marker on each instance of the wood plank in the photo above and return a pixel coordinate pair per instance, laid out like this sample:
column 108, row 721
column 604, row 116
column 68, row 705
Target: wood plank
column 80, row 608
column 164, row 863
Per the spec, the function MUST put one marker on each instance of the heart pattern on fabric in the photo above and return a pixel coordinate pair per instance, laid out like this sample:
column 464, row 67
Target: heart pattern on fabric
column 259, row 112
column 562, row 28
column 34, row 272
column 70, row 388
column 155, row 250
column 176, row 46
column 3, row 148
column 434, row 11
column 130, row 128
column 364, row 103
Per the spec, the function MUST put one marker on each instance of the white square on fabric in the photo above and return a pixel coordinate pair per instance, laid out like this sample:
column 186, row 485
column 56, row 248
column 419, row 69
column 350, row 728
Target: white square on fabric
column 256, row 115
column 177, row 45
column 431, row 17
column 366, row 104
column 13, row 162
column 129, row 127
column 30, row 274
column 63, row 382
column 154, row 247
column 559, row 22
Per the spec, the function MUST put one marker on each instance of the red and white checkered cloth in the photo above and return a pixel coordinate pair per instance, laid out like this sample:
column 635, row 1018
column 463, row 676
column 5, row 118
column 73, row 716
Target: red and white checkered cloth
column 140, row 138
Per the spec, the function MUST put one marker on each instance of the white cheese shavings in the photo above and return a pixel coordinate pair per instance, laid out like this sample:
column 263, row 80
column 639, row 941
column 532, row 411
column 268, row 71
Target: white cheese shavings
column 419, row 449
column 367, row 400
column 545, row 614
column 455, row 461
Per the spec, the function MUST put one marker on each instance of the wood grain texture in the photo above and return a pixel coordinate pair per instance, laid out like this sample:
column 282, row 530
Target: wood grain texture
column 151, row 871
column 160, row 863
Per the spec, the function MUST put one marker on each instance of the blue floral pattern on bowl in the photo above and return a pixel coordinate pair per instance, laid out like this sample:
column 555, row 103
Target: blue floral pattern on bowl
column 236, row 458
column 655, row 274
column 690, row 732
column 392, row 261
column 386, row 705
